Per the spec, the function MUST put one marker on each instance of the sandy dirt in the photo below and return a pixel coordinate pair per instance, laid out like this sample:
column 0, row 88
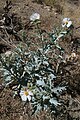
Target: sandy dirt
column 51, row 16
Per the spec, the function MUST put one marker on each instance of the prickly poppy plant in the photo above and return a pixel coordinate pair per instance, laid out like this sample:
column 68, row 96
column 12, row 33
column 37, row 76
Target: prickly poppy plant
column 31, row 75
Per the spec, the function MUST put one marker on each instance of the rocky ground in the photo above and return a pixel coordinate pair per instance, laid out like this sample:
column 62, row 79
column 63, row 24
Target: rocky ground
column 51, row 16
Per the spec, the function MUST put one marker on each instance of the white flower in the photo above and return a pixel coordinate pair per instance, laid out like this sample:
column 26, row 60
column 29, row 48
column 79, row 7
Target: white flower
column 35, row 16
column 26, row 95
column 66, row 22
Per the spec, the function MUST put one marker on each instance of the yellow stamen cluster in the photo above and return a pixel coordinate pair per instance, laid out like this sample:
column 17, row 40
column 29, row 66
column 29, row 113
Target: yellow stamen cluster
column 26, row 93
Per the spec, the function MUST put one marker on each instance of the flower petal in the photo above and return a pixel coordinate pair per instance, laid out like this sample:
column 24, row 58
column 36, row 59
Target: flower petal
column 29, row 97
column 35, row 16
column 63, row 25
column 65, row 20
column 21, row 92
column 30, row 93
column 24, row 98
column 69, row 24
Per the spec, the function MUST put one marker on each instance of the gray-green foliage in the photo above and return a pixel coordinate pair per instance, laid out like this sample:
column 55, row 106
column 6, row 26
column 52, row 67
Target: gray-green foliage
column 33, row 69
